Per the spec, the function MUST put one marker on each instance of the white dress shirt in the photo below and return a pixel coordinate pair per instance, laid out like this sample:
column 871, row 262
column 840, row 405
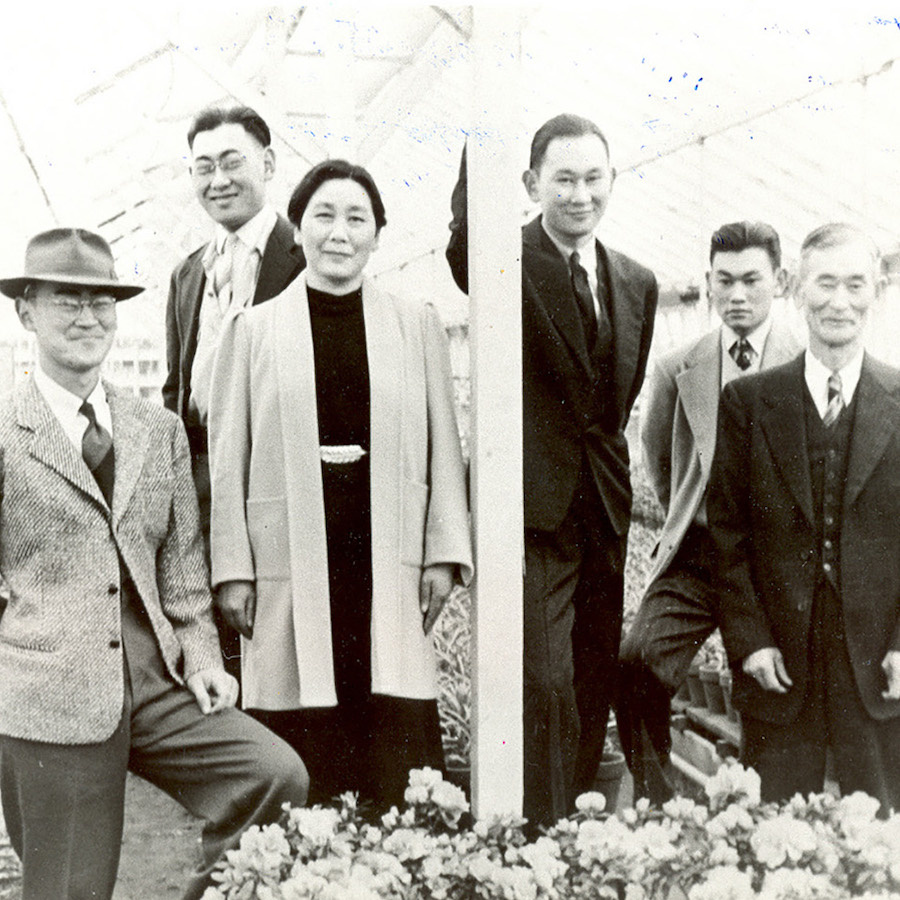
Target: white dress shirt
column 248, row 250
column 817, row 374
column 65, row 405
column 587, row 257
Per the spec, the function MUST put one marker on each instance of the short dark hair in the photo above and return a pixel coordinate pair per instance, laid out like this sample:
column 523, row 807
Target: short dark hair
column 330, row 170
column 563, row 125
column 213, row 116
column 737, row 236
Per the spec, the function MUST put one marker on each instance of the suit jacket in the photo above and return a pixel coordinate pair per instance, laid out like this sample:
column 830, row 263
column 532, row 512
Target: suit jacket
column 678, row 427
column 570, row 415
column 268, row 516
column 763, row 524
column 280, row 265
column 61, row 662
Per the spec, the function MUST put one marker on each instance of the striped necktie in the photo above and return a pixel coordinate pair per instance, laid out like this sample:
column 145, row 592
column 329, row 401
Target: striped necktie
column 835, row 400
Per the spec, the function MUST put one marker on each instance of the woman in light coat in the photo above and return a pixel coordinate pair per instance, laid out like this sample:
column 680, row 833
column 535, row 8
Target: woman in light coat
column 339, row 516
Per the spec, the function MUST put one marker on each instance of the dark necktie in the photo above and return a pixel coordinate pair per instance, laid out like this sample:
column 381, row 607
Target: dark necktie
column 97, row 441
column 835, row 400
column 742, row 354
column 582, row 289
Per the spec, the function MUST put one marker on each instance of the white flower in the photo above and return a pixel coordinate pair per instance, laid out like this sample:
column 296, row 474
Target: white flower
column 733, row 783
column 781, row 840
column 724, row 883
column 798, row 884
column 591, row 804
column 317, row 826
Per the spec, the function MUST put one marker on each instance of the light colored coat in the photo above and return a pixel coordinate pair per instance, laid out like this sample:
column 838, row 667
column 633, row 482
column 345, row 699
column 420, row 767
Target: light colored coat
column 268, row 518
column 61, row 663
column 678, row 428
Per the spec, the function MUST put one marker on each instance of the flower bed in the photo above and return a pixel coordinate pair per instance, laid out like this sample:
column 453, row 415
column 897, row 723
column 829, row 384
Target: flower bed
column 730, row 848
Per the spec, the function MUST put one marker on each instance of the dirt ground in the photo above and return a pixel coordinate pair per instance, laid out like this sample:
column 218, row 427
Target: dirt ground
column 160, row 848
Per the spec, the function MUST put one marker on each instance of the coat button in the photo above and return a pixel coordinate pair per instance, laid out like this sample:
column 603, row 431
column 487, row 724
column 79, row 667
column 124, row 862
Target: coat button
column 114, row 644
column 113, row 589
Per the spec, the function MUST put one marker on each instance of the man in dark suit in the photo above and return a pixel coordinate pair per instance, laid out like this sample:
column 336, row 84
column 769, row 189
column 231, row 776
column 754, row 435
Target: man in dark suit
column 587, row 321
column 804, row 513
column 252, row 258
column 678, row 433
column 109, row 659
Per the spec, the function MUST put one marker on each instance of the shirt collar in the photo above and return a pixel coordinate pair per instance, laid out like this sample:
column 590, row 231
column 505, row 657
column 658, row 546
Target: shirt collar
column 816, row 374
column 254, row 233
column 65, row 405
column 586, row 248
column 756, row 338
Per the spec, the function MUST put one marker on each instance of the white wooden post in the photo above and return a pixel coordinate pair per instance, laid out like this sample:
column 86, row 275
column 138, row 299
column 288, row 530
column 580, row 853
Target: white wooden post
column 495, row 288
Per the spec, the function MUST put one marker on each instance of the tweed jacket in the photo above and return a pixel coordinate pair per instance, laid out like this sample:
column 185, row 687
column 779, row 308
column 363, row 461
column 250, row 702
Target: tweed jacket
column 570, row 415
column 268, row 517
column 281, row 263
column 678, row 427
column 61, row 656
column 764, row 529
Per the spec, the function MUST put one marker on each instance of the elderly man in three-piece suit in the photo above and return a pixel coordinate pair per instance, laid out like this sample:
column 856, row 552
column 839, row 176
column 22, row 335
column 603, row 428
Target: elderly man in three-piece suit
column 587, row 322
column 804, row 514
column 109, row 659
column 251, row 259
column 678, row 433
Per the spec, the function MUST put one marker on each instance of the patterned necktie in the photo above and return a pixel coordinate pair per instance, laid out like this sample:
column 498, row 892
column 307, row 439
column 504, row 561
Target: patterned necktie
column 742, row 353
column 97, row 441
column 223, row 271
column 835, row 400
column 582, row 289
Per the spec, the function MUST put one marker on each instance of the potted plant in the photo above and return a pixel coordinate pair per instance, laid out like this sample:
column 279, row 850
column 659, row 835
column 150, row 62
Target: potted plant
column 610, row 771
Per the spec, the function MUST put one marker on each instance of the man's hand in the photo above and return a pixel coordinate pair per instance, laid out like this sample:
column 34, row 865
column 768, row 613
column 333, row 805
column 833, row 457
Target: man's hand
column 891, row 667
column 237, row 601
column 213, row 689
column 434, row 589
column 767, row 667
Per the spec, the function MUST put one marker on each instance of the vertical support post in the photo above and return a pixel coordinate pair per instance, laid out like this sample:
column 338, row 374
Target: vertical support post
column 495, row 287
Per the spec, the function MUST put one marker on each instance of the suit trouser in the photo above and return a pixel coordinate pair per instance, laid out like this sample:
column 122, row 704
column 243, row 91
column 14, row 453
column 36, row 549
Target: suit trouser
column 790, row 758
column 573, row 594
column 64, row 804
column 674, row 619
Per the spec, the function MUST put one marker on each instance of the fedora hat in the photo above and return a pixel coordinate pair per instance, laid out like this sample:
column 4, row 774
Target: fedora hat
column 69, row 256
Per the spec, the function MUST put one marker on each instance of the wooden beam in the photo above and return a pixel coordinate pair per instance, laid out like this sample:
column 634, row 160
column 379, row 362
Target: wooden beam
column 496, row 295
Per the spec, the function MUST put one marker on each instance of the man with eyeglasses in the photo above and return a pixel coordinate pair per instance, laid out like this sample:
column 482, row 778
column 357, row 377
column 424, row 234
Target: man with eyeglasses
column 109, row 659
column 251, row 258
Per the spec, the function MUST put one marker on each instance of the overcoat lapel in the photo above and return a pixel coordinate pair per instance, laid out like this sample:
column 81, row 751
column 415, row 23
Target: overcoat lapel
column 295, row 367
column 873, row 425
column 383, row 342
column 130, row 440
column 192, row 292
column 50, row 444
column 783, row 422
column 698, row 391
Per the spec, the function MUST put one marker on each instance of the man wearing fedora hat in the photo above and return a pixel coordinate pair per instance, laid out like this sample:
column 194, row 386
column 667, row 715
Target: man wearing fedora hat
column 109, row 659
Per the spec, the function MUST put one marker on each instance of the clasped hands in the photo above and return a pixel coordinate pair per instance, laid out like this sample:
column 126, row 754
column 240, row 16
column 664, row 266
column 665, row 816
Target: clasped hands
column 766, row 667
column 237, row 599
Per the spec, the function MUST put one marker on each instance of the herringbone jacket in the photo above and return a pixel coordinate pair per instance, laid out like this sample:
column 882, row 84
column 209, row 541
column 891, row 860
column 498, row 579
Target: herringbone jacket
column 61, row 657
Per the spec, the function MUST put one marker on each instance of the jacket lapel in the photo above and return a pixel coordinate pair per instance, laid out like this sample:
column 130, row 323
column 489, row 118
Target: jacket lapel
column 627, row 325
column 698, row 390
column 783, row 422
column 552, row 283
column 280, row 263
column 50, row 445
column 875, row 422
column 130, row 440
column 192, row 292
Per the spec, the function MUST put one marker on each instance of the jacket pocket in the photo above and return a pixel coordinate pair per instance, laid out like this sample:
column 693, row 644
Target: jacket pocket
column 415, row 509
column 267, row 526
